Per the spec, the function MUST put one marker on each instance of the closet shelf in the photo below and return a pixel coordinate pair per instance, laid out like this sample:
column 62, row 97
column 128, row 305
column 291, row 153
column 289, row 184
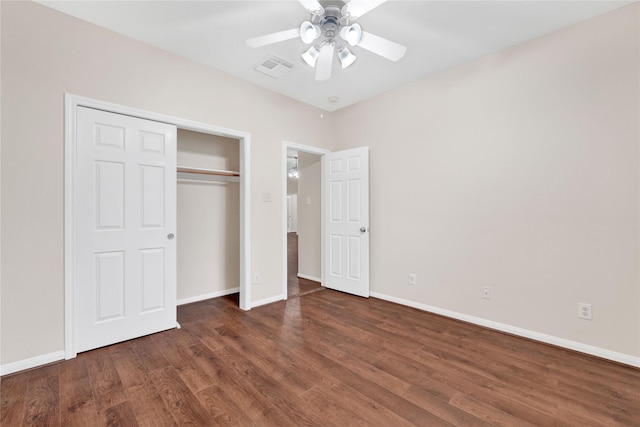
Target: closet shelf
column 207, row 171
column 207, row 174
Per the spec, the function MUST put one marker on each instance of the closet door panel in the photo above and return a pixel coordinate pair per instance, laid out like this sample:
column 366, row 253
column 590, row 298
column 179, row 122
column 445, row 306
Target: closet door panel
column 125, row 221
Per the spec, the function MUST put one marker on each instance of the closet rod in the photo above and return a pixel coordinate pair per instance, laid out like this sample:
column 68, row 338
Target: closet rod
column 207, row 171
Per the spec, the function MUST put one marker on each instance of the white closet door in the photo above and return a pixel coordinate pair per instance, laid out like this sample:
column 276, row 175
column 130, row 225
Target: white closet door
column 126, row 217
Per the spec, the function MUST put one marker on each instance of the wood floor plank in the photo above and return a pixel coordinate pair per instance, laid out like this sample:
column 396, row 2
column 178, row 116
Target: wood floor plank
column 255, row 406
column 105, row 381
column 266, row 385
column 530, row 405
column 131, row 370
column 77, row 401
column 266, row 352
column 492, row 415
column 120, row 415
column 149, row 408
column 334, row 409
column 182, row 360
column 357, row 401
column 151, row 353
column 433, row 398
column 225, row 411
column 207, row 334
column 183, row 405
column 42, row 401
column 145, row 400
column 13, row 390
column 384, row 397
column 368, row 361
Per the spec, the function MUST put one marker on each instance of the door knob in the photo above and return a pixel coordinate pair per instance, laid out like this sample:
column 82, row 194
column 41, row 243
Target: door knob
column 363, row 229
column 170, row 236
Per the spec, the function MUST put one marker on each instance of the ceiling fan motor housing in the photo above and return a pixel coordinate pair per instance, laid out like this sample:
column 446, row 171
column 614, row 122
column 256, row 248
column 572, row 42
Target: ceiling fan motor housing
column 332, row 20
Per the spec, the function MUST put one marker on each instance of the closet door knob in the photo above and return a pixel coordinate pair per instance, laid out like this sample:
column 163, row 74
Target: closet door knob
column 170, row 236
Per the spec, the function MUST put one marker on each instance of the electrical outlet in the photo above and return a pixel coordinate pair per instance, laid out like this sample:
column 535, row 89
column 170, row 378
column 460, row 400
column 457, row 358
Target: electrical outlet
column 256, row 278
column 412, row 278
column 485, row 293
column 584, row 311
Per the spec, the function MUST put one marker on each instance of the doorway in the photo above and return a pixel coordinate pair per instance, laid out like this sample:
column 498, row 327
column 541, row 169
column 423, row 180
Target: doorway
column 208, row 213
column 303, row 243
column 303, row 217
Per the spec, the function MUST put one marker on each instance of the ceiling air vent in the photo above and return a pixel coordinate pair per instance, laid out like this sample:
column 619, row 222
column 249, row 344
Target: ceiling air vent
column 274, row 66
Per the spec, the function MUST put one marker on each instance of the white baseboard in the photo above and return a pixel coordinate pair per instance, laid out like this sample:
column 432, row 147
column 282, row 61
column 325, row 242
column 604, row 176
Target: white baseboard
column 627, row 359
column 267, row 301
column 314, row 279
column 32, row 362
column 210, row 295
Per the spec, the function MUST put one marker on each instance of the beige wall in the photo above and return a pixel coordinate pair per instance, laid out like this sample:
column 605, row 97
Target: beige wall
column 44, row 55
column 309, row 211
column 518, row 171
column 208, row 218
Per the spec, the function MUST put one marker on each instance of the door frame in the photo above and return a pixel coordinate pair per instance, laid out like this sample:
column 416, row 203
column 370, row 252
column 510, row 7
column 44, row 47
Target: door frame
column 286, row 146
column 72, row 102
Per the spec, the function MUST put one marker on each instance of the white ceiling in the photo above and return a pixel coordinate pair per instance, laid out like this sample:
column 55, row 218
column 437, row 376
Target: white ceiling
column 437, row 34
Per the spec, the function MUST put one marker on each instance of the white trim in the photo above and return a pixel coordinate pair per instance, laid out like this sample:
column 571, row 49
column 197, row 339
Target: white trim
column 269, row 300
column 71, row 104
column 305, row 276
column 69, row 220
column 626, row 359
column 288, row 145
column 210, row 295
column 245, row 222
column 32, row 362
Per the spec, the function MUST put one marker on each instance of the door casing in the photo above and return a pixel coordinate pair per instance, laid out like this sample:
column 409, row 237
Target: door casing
column 70, row 177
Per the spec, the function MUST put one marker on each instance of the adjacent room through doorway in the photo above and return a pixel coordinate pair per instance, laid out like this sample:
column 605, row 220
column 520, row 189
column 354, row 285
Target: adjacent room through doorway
column 303, row 223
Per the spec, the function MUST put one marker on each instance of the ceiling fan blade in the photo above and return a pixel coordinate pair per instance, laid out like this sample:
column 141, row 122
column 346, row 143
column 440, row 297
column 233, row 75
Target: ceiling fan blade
column 357, row 8
column 312, row 6
column 280, row 36
column 325, row 62
column 383, row 47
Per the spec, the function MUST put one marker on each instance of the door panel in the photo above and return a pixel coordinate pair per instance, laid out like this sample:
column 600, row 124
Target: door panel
column 346, row 182
column 152, row 196
column 152, row 279
column 126, row 264
column 109, row 285
column 109, row 195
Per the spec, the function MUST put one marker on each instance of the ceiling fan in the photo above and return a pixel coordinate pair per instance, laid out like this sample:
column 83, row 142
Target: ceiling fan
column 331, row 29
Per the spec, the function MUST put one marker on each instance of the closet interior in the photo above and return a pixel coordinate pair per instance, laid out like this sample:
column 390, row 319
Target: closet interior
column 208, row 216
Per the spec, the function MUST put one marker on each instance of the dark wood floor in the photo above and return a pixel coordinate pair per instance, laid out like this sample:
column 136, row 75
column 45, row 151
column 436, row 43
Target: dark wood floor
column 297, row 286
column 323, row 359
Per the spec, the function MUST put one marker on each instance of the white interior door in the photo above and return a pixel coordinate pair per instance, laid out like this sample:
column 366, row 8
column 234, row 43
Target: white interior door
column 346, row 216
column 292, row 213
column 126, row 217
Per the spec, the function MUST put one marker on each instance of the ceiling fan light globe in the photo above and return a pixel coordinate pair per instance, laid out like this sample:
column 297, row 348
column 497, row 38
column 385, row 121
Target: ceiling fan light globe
column 311, row 56
column 309, row 32
column 346, row 57
column 351, row 34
